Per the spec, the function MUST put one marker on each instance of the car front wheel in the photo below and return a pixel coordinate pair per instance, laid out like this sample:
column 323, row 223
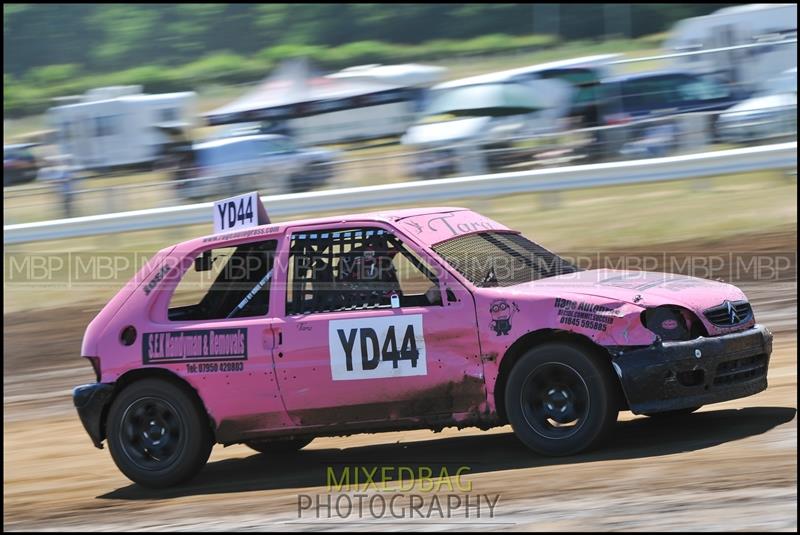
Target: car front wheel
column 158, row 436
column 559, row 400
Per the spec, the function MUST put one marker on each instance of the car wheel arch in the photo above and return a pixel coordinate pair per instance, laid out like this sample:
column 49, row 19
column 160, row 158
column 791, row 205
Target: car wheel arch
column 533, row 339
column 130, row 377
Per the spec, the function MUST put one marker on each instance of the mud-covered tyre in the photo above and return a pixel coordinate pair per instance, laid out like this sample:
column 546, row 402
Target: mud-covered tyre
column 560, row 400
column 279, row 447
column 672, row 414
column 158, row 435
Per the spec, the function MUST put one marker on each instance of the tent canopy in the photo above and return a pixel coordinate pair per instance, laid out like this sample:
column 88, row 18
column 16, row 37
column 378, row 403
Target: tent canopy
column 297, row 90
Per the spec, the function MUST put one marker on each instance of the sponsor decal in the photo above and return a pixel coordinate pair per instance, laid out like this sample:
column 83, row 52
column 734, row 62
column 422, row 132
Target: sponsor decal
column 194, row 346
column 441, row 224
column 584, row 315
column 377, row 348
column 413, row 224
column 501, row 312
column 215, row 367
column 669, row 324
column 156, row 279
column 258, row 231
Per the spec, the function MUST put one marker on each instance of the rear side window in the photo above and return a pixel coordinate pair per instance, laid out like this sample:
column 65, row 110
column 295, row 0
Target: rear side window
column 230, row 283
column 105, row 126
column 168, row 114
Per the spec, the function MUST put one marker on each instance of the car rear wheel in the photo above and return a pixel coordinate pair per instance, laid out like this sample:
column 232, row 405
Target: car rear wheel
column 559, row 400
column 158, row 436
column 279, row 446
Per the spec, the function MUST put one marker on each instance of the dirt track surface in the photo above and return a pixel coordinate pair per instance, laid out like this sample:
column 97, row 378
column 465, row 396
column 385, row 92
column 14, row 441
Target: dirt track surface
column 729, row 466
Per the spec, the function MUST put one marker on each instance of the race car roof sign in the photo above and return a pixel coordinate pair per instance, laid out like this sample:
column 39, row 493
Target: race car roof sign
column 242, row 211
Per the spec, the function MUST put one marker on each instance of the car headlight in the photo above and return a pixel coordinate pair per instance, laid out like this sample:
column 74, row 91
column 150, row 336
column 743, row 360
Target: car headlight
column 672, row 323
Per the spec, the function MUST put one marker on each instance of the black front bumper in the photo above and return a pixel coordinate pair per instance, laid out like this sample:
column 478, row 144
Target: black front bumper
column 678, row 375
column 91, row 401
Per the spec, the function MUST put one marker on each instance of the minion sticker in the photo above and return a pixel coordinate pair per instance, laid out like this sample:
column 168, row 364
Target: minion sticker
column 501, row 312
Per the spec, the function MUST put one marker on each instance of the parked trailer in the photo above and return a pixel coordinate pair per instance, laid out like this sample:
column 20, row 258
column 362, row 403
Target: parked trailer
column 373, row 122
column 360, row 105
column 419, row 78
column 771, row 25
column 119, row 127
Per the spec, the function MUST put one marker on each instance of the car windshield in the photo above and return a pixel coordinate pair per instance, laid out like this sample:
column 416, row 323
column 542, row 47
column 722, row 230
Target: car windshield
column 501, row 259
column 494, row 99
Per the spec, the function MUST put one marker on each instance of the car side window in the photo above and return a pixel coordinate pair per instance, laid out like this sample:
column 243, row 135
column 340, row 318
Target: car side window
column 230, row 282
column 355, row 269
column 663, row 91
column 281, row 145
column 266, row 147
column 701, row 89
column 649, row 93
column 105, row 126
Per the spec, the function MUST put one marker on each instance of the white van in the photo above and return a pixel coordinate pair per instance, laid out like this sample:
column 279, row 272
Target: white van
column 770, row 25
column 119, row 126
column 467, row 124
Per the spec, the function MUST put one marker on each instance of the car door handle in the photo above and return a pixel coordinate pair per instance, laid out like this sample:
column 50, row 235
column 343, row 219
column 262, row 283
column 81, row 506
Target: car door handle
column 267, row 338
column 277, row 336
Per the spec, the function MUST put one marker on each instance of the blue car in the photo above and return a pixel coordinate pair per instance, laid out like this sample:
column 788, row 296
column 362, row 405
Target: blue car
column 662, row 94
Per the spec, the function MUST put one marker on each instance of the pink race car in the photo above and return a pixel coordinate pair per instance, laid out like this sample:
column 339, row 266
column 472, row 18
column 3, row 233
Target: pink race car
column 407, row 319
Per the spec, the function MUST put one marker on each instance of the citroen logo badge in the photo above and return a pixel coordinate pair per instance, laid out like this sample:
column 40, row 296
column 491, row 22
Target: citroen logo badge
column 732, row 313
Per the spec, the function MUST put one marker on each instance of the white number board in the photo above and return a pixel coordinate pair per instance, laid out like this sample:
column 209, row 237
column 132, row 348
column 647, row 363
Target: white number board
column 239, row 212
column 377, row 348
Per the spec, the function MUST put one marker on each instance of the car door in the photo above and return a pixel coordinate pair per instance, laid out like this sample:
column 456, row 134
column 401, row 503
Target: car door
column 212, row 324
column 345, row 355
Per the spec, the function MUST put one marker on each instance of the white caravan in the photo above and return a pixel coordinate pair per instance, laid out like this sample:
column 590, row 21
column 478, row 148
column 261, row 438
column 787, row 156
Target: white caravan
column 768, row 25
column 119, row 126
column 372, row 122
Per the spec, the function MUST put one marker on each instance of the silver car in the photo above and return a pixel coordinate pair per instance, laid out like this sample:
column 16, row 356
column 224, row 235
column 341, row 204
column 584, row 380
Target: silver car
column 771, row 113
column 265, row 162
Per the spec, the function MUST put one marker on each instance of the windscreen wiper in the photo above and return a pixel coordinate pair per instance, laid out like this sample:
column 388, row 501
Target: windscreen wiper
column 249, row 297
